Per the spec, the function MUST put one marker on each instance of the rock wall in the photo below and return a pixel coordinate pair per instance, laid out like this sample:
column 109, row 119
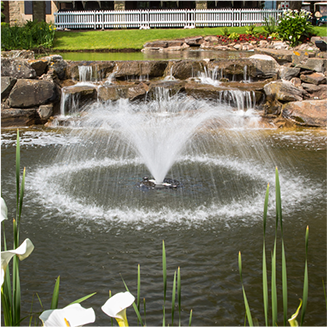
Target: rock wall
column 31, row 88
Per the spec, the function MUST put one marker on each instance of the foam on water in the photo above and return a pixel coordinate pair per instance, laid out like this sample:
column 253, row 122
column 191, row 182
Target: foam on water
column 46, row 183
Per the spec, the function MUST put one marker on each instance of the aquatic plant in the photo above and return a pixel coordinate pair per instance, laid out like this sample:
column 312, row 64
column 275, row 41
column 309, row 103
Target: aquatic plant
column 273, row 290
column 10, row 289
column 116, row 306
column 176, row 287
column 72, row 315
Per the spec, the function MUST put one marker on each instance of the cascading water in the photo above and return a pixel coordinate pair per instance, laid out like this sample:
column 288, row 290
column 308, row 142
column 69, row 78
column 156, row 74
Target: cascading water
column 85, row 73
column 70, row 101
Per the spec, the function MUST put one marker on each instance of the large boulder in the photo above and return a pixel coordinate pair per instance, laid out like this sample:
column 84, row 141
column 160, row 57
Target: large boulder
column 281, row 56
column 112, row 92
column 58, row 66
column 283, row 91
column 184, row 69
column 307, row 113
column 231, row 69
column 137, row 91
column 18, row 54
column 30, row 93
column 39, row 65
column 299, row 57
column 314, row 78
column 19, row 68
column 173, row 87
column 225, row 93
column 7, row 84
column 139, row 69
column 99, row 69
column 77, row 96
column 316, row 64
column 266, row 66
column 19, row 117
column 287, row 73
column 156, row 44
column 317, row 92
column 45, row 111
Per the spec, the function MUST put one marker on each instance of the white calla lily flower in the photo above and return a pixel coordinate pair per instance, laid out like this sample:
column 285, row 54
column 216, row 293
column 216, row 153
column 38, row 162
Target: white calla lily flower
column 4, row 210
column 73, row 315
column 23, row 251
column 115, row 307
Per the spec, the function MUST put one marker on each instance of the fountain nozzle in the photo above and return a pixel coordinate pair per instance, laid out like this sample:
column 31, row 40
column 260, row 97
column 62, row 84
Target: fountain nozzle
column 153, row 184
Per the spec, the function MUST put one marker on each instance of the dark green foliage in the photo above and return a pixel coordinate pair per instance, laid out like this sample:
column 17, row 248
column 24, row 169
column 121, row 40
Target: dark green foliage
column 2, row 14
column 30, row 36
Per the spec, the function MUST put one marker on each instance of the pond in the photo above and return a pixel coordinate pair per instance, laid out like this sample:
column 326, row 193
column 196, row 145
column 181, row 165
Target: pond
column 92, row 223
column 154, row 55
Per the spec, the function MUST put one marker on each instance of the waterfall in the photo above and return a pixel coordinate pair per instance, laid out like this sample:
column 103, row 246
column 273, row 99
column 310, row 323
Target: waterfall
column 85, row 73
column 243, row 100
column 69, row 102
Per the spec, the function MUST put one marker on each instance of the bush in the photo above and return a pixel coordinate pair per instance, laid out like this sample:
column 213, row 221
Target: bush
column 234, row 36
column 30, row 36
column 250, row 29
column 269, row 26
column 2, row 16
column 294, row 26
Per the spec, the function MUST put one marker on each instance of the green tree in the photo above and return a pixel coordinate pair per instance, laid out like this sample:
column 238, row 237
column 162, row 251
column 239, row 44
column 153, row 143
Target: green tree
column 2, row 15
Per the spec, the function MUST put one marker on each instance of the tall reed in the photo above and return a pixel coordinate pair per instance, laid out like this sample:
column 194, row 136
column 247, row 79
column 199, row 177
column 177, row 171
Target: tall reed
column 176, row 291
column 274, row 286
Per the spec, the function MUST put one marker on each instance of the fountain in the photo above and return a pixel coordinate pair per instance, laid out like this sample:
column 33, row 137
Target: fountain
column 122, row 175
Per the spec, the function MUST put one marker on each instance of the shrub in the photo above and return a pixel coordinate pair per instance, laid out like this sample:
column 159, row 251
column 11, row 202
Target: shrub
column 234, row 36
column 250, row 29
column 269, row 25
column 225, row 31
column 32, row 35
column 2, row 14
column 294, row 26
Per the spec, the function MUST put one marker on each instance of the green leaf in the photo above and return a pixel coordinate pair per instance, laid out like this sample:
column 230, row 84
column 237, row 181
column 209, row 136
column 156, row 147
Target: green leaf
column 83, row 298
column 190, row 320
column 179, row 294
column 173, row 300
column 144, row 309
column 134, row 305
column 246, row 304
column 264, row 263
column 138, row 285
column 292, row 321
column 306, row 278
column 164, row 270
column 55, row 296
column 21, row 197
column 17, row 170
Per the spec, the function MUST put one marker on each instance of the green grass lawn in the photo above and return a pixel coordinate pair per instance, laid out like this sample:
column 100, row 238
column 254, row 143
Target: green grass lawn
column 135, row 39
column 123, row 39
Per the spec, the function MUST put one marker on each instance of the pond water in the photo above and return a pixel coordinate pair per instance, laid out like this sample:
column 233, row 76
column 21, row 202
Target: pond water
column 154, row 55
column 92, row 224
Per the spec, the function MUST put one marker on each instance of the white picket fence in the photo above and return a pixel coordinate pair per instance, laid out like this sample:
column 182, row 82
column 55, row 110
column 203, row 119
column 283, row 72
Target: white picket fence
column 182, row 18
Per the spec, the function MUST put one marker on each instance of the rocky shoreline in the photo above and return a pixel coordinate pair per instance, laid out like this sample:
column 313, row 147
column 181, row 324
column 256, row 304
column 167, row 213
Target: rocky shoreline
column 288, row 85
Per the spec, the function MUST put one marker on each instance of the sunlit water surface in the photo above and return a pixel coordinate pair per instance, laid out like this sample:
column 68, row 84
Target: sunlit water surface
column 92, row 224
